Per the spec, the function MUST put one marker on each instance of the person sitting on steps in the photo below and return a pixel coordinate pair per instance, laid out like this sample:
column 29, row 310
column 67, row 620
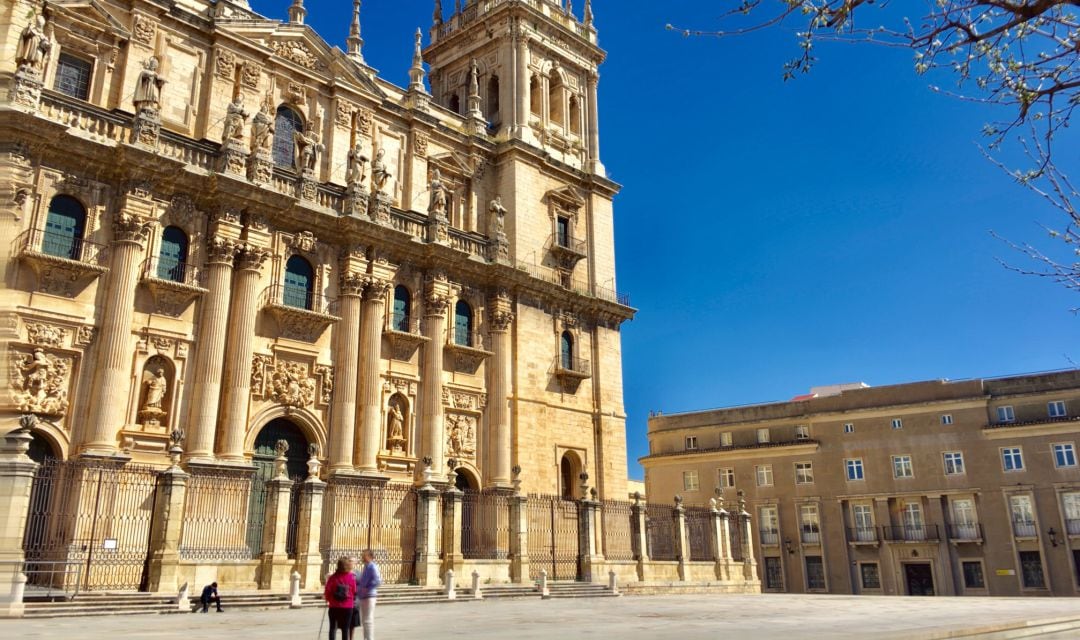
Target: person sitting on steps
column 210, row 594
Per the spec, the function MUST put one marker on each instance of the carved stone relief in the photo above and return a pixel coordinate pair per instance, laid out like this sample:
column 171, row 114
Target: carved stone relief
column 460, row 435
column 40, row 382
column 46, row 334
column 143, row 29
column 296, row 51
column 225, row 64
column 249, row 75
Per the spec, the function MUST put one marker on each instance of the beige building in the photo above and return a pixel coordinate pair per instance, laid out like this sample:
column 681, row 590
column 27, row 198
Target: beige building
column 226, row 235
column 934, row 488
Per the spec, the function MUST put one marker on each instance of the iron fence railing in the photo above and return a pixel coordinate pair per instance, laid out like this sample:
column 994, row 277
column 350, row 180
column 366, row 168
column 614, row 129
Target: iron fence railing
column 1072, row 526
column 1024, row 529
column 967, row 531
column 618, row 534
column 61, row 245
column 172, row 270
column 700, row 532
column 660, row 531
column 296, row 297
column 485, row 526
column 810, row 536
column 910, row 532
column 862, row 534
column 572, row 364
column 224, row 514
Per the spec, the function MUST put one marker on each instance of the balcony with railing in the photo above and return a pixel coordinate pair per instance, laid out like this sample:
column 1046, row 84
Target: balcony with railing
column 467, row 350
column 810, row 535
column 970, row 532
column 404, row 336
column 571, row 369
column 862, row 535
column 1072, row 526
column 769, row 537
column 60, row 260
column 301, row 314
column 911, row 533
column 566, row 250
column 174, row 284
column 1024, row 529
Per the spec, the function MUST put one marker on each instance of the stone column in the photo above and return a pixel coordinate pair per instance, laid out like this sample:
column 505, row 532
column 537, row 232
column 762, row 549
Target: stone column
column 891, row 581
column 682, row 546
column 164, row 574
column 500, row 318
column 428, row 564
column 521, row 95
column 112, row 372
column 210, row 349
column 947, row 575
column 451, row 528
column 436, row 301
column 276, row 567
column 16, row 479
column 720, row 539
column 519, row 539
column 590, row 559
column 641, row 539
column 594, row 126
column 242, row 316
column 370, row 380
column 346, row 359
column 309, row 562
column 749, row 563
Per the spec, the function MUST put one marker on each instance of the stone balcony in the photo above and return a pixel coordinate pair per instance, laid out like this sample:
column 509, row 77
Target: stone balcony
column 64, row 264
column 300, row 315
column 567, row 251
column 173, row 285
column 468, row 352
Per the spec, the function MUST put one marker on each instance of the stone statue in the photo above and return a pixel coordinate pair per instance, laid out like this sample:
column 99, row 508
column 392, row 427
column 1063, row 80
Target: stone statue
column 437, row 206
column 455, row 439
column 497, row 221
column 262, row 128
column 41, row 383
column 307, row 148
column 235, row 117
column 356, row 173
column 380, row 175
column 397, row 424
column 281, row 447
column 34, row 45
column 148, row 87
column 156, row 388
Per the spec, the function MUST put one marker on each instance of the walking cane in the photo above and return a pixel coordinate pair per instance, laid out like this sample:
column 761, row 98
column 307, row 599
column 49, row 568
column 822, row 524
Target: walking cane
column 323, row 620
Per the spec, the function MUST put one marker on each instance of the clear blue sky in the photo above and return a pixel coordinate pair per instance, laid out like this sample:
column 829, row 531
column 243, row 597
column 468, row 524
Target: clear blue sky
column 780, row 235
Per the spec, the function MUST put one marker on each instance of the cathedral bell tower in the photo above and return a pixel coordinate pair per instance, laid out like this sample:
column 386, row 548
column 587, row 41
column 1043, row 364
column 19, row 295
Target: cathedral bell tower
column 522, row 69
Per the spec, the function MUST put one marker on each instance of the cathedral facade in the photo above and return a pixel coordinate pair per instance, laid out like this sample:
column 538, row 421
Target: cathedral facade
column 230, row 239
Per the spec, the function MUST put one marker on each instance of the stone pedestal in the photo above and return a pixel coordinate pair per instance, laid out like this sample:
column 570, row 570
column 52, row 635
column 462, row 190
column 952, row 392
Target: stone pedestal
column 438, row 229
column 275, row 567
column 308, row 557
column 519, row 539
column 590, row 560
column 234, row 158
column 307, row 186
column 428, row 563
column 379, row 208
column 260, row 167
column 499, row 249
column 164, row 574
column 26, row 88
column 682, row 548
column 451, row 529
column 146, row 128
column 640, row 543
column 750, row 573
column 356, row 202
column 16, row 479
column 720, row 541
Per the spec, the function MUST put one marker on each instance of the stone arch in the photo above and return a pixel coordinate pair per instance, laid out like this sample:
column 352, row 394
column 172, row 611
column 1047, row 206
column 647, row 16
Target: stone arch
column 468, row 479
column 397, row 425
column 288, row 119
column 43, row 446
column 570, row 467
column 157, row 388
column 304, row 419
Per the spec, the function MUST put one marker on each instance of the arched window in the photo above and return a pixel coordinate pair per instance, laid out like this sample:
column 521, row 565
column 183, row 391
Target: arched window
column 173, row 255
column 555, row 99
column 463, row 322
column 286, row 124
column 299, row 283
column 575, row 115
column 566, row 351
column 64, row 227
column 402, row 304
column 568, row 477
column 455, row 103
column 493, row 96
column 535, row 96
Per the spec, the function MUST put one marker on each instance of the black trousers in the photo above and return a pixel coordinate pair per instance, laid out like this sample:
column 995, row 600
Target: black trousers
column 206, row 603
column 341, row 618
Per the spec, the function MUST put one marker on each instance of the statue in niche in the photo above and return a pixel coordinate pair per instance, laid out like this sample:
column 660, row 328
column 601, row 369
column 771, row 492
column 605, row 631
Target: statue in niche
column 262, row 128
column 498, row 217
column 156, row 388
column 235, row 117
column 380, row 175
column 307, row 149
column 153, row 410
column 395, row 429
column 437, row 206
column 34, row 46
column 356, row 173
column 148, row 87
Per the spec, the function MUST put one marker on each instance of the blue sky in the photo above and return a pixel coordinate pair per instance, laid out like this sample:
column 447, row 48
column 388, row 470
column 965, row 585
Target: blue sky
column 774, row 235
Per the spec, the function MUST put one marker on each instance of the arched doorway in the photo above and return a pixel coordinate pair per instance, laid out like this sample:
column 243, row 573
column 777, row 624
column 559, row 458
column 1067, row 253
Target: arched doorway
column 569, row 470
column 263, row 460
column 41, row 448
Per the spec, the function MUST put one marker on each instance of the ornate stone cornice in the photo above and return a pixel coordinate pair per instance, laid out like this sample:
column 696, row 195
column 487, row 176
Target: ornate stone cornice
column 251, row 257
column 351, row 284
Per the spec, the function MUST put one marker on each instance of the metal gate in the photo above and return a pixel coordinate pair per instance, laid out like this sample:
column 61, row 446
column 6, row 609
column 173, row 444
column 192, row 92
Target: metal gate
column 359, row 516
column 89, row 526
column 553, row 537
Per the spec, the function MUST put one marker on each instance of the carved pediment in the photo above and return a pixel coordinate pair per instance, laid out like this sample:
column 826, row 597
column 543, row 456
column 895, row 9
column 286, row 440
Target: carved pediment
column 452, row 164
column 567, row 197
column 91, row 14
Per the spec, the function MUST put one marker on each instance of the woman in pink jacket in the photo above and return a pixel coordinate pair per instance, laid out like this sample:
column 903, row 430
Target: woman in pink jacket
column 340, row 592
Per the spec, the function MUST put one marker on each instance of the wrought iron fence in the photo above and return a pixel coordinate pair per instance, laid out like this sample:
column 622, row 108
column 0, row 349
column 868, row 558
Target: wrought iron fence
column 736, row 537
column 381, row 518
column 553, row 537
column 171, row 269
column 618, row 530
column 91, row 515
column 224, row 514
column 699, row 533
column 62, row 245
column 660, row 531
column 293, row 526
column 485, row 526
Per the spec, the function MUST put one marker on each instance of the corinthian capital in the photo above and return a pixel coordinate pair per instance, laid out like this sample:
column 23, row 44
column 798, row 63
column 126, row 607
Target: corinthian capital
column 251, row 257
column 376, row 289
column 351, row 284
column 128, row 227
column 500, row 319
column 220, row 250
column 436, row 304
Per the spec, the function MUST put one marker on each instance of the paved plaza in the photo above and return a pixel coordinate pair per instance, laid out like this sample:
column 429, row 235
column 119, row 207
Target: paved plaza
column 765, row 617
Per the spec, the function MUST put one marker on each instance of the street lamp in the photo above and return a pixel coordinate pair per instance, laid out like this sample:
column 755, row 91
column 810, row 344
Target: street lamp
column 1053, row 537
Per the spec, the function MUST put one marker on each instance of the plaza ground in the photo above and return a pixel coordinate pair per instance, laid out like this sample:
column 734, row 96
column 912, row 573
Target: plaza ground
column 763, row 617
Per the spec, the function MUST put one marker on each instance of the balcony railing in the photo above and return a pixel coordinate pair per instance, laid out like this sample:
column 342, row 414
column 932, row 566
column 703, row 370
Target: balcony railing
column 300, row 314
column 468, row 340
column 171, row 270
column 911, row 532
column 296, row 298
column 810, row 536
column 573, row 365
column 566, row 250
column 61, row 245
column 972, row 531
column 1024, row 529
column 770, row 537
column 862, row 534
column 1072, row 526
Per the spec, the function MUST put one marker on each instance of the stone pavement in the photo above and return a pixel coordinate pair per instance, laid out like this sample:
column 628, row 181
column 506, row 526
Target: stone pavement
column 762, row 617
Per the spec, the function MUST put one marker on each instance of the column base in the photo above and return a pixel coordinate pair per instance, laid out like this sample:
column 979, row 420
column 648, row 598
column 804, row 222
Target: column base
column 275, row 571
column 310, row 569
column 12, row 586
column 428, row 571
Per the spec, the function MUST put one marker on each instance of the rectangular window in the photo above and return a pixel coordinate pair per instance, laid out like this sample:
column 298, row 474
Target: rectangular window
column 726, row 477
column 973, row 575
column 1012, row 459
column 802, row 432
column 73, row 76
column 849, row 428
column 871, row 577
column 815, row 573
column 863, row 515
column 902, row 467
column 770, row 525
column 1023, row 515
column 854, row 468
column 963, row 525
column 810, row 524
column 804, row 473
column 897, row 423
column 1056, row 409
column 774, row 574
column 764, row 475
column 1071, row 504
column 762, row 436
column 689, row 481
column 1064, row 455
column 562, row 231
column 1031, row 570
column 1006, row 414
column 946, row 419
column 691, row 443
column 954, row 463
column 725, row 439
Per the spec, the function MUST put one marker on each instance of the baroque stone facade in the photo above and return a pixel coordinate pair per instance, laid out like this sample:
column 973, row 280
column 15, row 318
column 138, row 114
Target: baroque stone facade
column 221, row 220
